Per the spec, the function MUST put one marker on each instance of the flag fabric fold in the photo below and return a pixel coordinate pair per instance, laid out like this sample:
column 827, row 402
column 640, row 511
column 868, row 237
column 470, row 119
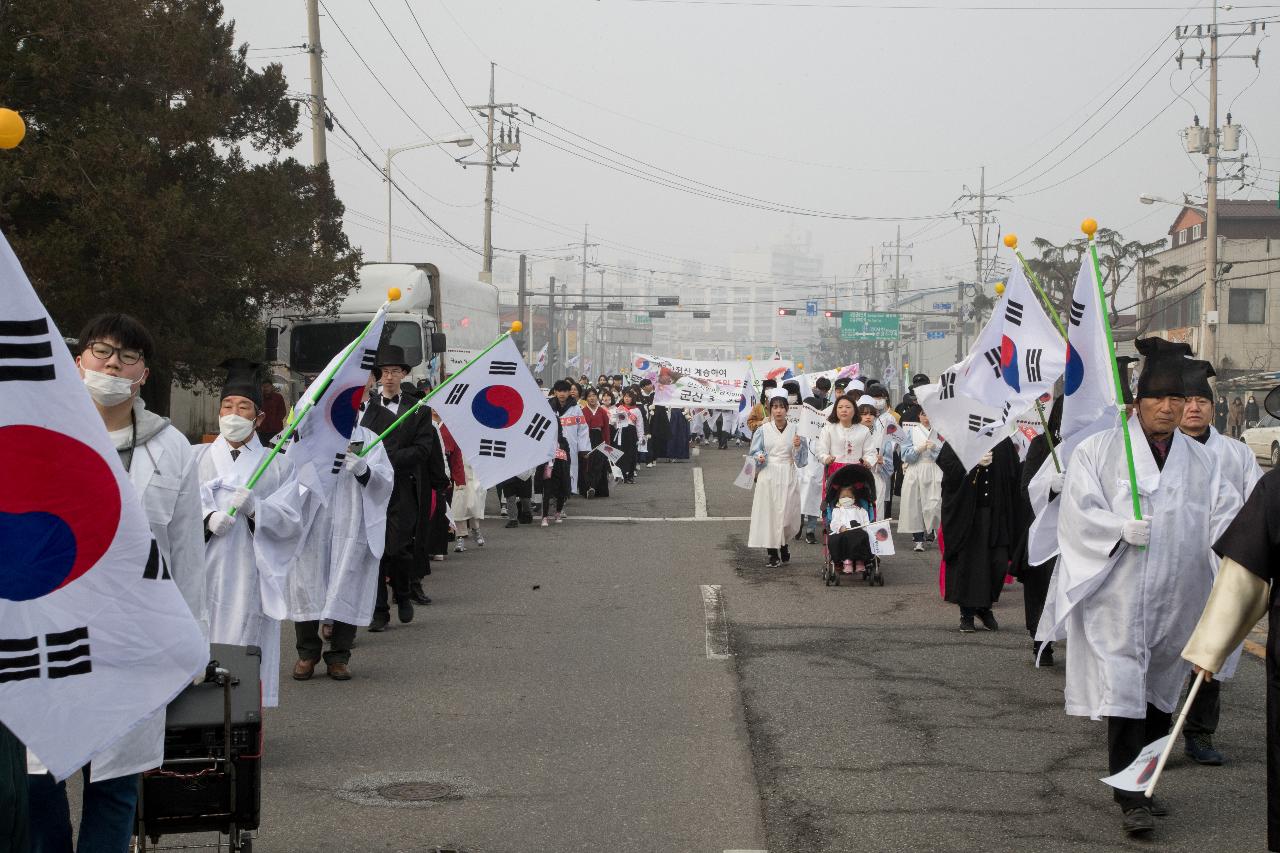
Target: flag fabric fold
column 1016, row 359
column 94, row 635
column 498, row 415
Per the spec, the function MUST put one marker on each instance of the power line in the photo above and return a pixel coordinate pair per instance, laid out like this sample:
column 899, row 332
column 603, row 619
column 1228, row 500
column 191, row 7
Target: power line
column 436, row 56
column 409, row 59
column 932, row 7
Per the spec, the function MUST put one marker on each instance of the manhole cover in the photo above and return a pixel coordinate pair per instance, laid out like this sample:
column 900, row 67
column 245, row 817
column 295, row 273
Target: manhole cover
column 407, row 790
column 418, row 792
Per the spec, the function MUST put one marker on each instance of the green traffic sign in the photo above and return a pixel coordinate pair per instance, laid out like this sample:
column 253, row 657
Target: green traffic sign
column 869, row 326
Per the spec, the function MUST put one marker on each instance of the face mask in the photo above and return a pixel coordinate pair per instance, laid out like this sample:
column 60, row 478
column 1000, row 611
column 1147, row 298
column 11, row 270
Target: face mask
column 880, row 403
column 845, row 502
column 107, row 390
column 234, row 427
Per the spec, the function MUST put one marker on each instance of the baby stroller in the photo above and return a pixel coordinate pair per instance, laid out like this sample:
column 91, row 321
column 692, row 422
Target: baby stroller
column 863, row 483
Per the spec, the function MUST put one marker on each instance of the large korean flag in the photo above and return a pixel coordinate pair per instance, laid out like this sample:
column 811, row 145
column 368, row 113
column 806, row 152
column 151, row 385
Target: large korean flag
column 1016, row 360
column 1089, row 404
column 498, row 415
column 320, row 443
column 94, row 635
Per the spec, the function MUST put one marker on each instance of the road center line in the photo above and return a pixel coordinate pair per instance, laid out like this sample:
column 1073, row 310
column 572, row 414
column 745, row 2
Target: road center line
column 717, row 623
column 699, row 494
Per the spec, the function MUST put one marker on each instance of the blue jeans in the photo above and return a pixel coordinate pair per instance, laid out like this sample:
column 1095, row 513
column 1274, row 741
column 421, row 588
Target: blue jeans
column 106, row 816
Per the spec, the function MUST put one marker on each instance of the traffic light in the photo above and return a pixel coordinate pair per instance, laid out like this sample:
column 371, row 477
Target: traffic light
column 668, row 300
column 615, row 306
column 786, row 312
column 829, row 314
column 657, row 314
column 702, row 315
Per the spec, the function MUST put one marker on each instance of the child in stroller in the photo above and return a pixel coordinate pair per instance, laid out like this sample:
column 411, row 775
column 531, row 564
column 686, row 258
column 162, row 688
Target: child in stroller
column 849, row 504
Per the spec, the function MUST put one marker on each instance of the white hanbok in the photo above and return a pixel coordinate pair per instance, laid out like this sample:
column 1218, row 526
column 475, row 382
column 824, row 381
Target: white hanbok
column 468, row 500
column 333, row 574
column 775, row 504
column 1127, row 612
column 247, row 570
column 921, row 482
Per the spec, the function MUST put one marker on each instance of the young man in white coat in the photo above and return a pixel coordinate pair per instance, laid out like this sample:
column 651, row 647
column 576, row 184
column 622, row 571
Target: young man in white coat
column 248, row 551
column 1240, row 468
column 113, row 353
column 1129, row 591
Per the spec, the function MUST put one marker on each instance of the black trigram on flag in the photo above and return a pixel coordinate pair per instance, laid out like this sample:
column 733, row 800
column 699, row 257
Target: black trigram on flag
column 502, row 368
column 492, row 447
column 947, row 386
column 537, row 427
column 1033, row 365
column 338, row 459
column 369, row 359
column 977, row 423
column 157, row 569
column 1077, row 313
column 993, row 358
column 456, row 393
column 65, row 653
column 1013, row 313
column 29, row 359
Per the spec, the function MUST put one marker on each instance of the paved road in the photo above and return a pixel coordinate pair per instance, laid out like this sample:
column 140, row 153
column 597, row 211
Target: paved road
column 566, row 689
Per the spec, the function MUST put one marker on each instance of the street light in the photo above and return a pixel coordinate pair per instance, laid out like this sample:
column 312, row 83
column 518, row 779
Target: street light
column 463, row 141
column 1209, row 317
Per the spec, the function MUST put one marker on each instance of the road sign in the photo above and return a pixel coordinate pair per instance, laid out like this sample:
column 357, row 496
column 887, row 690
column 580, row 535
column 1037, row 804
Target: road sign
column 869, row 326
column 811, row 309
column 943, row 306
column 935, row 336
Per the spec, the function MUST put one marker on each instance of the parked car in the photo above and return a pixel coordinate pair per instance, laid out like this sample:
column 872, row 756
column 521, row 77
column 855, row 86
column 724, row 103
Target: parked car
column 1264, row 440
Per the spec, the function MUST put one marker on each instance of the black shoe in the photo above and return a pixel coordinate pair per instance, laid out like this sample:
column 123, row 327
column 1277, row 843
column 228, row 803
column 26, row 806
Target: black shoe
column 966, row 625
column 416, row 595
column 810, row 539
column 512, row 523
column 379, row 623
column 786, row 554
column 1045, row 658
column 591, row 493
column 1138, row 821
column 1159, row 808
column 988, row 619
column 773, row 558
column 404, row 611
column 526, row 518
column 1199, row 748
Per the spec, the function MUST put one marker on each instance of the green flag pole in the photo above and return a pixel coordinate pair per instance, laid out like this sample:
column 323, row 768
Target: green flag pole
column 392, row 295
column 1090, row 227
column 364, row 451
column 1053, row 451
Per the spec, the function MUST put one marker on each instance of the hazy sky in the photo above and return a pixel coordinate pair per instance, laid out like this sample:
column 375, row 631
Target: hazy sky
column 875, row 109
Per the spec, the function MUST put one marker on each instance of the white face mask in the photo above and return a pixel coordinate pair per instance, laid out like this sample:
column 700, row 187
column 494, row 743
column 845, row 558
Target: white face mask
column 845, row 502
column 880, row 403
column 234, row 427
column 107, row 390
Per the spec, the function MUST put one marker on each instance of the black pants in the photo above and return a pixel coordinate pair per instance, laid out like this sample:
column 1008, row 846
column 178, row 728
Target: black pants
column 1035, row 591
column 1202, row 719
column 852, row 545
column 399, row 574
column 555, row 487
column 1125, row 739
column 311, row 645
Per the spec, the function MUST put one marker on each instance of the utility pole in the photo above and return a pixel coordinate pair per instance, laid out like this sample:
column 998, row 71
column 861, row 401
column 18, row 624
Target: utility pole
column 983, row 216
column 582, row 315
column 897, row 247
column 1211, row 141
column 600, row 326
column 319, row 152
column 522, row 301
column 553, row 338
column 508, row 142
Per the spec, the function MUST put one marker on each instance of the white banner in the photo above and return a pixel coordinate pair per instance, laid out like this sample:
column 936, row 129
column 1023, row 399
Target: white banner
column 94, row 634
column 683, row 384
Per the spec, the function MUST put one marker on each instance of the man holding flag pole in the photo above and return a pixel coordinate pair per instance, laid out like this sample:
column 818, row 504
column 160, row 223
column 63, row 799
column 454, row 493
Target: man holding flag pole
column 1135, row 566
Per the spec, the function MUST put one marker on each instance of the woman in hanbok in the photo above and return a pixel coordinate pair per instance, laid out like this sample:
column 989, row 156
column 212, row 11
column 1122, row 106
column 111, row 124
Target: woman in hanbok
column 921, row 482
column 627, row 425
column 659, row 433
column 678, row 437
column 775, row 504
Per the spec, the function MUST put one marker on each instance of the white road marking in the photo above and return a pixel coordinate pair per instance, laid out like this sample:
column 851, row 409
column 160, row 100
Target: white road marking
column 638, row 518
column 699, row 495
column 746, row 851
column 717, row 623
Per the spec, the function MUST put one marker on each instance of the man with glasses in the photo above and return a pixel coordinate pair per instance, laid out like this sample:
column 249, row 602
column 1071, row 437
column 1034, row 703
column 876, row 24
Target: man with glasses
column 113, row 353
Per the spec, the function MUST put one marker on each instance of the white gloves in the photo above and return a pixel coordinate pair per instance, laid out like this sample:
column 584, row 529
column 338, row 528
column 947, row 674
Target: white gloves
column 985, row 460
column 219, row 522
column 1136, row 532
column 1058, row 482
column 242, row 501
column 355, row 464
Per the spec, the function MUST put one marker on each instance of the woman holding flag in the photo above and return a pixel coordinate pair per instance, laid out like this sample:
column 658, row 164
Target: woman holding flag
column 775, row 504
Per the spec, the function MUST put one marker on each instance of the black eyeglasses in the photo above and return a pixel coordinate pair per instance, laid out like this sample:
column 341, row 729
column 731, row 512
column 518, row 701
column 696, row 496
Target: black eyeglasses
column 103, row 350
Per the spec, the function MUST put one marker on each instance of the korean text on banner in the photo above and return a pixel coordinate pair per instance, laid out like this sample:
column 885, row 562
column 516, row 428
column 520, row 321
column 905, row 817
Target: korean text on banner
column 683, row 384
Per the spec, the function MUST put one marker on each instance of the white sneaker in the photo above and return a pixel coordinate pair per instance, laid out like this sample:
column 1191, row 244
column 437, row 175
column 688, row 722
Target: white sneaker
column 503, row 510
column 545, row 523
column 559, row 517
column 919, row 547
column 460, row 546
column 479, row 539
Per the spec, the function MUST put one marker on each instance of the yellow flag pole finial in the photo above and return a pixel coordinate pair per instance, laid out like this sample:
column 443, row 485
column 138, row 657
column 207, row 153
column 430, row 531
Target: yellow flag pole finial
column 1089, row 227
column 393, row 294
column 1011, row 241
column 517, row 327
